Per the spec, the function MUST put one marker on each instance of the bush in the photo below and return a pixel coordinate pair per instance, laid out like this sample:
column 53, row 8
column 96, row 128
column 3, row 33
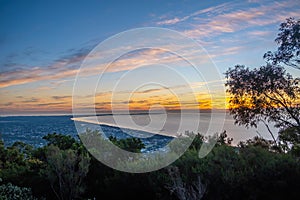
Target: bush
column 12, row 192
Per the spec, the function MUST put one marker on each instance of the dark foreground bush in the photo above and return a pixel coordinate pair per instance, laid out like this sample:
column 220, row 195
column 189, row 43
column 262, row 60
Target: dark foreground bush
column 251, row 171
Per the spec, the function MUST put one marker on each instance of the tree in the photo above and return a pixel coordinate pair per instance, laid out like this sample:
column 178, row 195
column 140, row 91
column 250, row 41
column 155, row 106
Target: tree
column 288, row 40
column 257, row 142
column 61, row 141
column 182, row 190
column 129, row 144
column 267, row 94
column 290, row 140
column 66, row 171
column 24, row 148
column 223, row 139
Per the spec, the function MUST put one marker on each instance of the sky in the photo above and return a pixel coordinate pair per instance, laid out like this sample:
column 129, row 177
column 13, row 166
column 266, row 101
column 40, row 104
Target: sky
column 43, row 44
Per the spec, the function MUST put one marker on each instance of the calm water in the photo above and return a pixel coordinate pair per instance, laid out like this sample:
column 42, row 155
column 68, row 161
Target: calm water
column 31, row 129
column 168, row 124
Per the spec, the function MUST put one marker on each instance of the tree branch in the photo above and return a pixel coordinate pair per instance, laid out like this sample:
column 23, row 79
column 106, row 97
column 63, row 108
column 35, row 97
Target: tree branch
column 270, row 131
column 285, row 107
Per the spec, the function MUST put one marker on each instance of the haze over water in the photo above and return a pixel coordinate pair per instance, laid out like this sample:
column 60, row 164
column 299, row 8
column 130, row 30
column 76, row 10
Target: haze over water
column 171, row 127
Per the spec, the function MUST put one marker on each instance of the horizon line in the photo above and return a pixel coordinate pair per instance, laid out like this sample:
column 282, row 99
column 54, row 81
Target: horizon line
column 104, row 112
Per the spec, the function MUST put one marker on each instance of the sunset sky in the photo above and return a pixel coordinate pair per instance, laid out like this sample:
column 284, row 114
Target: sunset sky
column 43, row 43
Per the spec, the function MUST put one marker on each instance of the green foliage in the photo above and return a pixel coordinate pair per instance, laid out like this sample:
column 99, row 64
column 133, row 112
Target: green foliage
column 16, row 161
column 66, row 170
column 129, row 144
column 12, row 192
column 61, row 141
column 252, row 171
column 181, row 143
column 290, row 140
column 258, row 142
column 197, row 142
column 23, row 148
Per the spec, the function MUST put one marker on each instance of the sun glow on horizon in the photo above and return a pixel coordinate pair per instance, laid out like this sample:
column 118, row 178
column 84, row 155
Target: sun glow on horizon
column 39, row 63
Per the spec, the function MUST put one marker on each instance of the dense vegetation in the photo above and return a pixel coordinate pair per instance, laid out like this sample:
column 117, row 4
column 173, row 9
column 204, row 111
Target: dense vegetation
column 64, row 170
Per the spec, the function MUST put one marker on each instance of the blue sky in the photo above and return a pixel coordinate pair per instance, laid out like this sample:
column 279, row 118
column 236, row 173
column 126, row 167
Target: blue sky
column 56, row 28
column 43, row 42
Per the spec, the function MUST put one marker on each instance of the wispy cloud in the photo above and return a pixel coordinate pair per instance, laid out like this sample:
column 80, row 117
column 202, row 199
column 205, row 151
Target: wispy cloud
column 32, row 100
column 251, row 18
column 233, row 28
column 68, row 66
column 227, row 51
column 64, row 67
column 33, row 104
column 232, row 17
column 149, row 90
column 175, row 20
column 170, row 21
column 61, row 97
column 258, row 33
column 33, row 75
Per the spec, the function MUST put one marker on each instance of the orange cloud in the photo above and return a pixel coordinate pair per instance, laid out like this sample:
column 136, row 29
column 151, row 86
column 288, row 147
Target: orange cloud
column 29, row 105
column 65, row 69
column 33, row 75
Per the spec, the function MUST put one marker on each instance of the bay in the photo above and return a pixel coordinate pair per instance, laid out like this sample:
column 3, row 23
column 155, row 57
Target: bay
column 31, row 129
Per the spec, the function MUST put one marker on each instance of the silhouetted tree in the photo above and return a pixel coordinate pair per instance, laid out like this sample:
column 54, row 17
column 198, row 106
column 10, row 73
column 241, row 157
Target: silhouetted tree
column 257, row 142
column 288, row 40
column 267, row 94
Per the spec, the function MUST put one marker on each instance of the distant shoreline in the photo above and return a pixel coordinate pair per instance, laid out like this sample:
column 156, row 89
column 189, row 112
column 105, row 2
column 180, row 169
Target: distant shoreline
column 109, row 113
